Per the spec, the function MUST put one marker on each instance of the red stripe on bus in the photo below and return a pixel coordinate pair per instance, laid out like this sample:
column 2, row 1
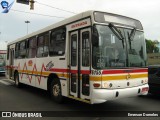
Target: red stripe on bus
column 11, row 67
column 81, row 72
column 74, row 71
column 58, row 70
column 85, row 72
column 70, row 71
column 63, row 70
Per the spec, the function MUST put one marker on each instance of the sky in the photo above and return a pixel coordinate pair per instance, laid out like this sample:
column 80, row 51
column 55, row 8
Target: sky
column 13, row 26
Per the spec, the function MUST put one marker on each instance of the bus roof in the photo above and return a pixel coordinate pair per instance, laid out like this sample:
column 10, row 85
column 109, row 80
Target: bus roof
column 64, row 22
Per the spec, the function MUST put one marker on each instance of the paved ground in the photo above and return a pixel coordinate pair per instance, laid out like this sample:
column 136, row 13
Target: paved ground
column 32, row 99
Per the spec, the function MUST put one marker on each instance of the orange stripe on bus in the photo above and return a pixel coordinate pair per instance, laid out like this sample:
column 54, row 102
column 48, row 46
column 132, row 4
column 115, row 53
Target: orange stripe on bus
column 92, row 78
column 119, row 77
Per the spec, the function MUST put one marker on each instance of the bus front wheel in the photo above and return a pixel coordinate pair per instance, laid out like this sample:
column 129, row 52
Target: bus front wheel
column 55, row 91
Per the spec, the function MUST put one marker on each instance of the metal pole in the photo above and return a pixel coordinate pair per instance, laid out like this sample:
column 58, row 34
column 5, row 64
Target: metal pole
column 27, row 22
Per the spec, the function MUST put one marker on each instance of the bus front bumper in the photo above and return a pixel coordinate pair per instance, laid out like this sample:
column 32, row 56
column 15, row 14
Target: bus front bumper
column 103, row 95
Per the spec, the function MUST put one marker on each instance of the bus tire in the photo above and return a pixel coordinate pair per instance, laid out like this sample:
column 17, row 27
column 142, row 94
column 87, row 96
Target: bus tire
column 56, row 91
column 16, row 79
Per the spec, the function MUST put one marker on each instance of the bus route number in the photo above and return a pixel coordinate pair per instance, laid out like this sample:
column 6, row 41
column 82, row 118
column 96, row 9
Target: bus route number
column 96, row 72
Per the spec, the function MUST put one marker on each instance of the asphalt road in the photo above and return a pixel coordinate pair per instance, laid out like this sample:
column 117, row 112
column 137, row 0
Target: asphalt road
column 33, row 99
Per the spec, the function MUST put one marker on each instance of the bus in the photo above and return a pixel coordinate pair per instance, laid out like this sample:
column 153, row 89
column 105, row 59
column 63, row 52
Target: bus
column 2, row 60
column 92, row 57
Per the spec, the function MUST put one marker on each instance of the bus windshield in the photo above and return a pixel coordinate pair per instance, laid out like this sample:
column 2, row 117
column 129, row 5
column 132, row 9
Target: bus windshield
column 111, row 51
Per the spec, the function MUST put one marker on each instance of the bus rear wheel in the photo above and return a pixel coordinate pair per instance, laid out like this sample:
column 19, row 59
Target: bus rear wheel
column 55, row 91
column 16, row 79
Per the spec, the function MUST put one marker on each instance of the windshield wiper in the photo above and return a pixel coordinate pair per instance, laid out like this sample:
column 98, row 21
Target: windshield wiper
column 131, row 36
column 117, row 32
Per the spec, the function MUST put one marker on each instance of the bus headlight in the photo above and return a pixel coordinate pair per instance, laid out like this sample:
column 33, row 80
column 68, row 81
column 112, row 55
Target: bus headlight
column 146, row 80
column 105, row 85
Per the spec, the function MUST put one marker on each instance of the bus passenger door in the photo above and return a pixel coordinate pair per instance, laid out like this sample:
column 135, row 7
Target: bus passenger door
column 80, row 64
column 85, row 63
column 73, row 80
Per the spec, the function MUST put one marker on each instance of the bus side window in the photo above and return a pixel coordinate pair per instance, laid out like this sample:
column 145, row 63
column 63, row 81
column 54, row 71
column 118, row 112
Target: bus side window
column 16, row 50
column 43, row 44
column 32, row 47
column 46, row 45
column 57, row 42
column 85, row 49
column 40, row 46
column 22, row 49
column 74, row 50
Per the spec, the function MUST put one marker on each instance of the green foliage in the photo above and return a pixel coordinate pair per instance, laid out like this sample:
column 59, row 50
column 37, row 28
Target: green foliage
column 151, row 46
column 156, row 50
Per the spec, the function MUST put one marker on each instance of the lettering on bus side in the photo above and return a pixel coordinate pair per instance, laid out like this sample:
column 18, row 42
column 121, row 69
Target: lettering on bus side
column 49, row 66
column 79, row 24
column 96, row 72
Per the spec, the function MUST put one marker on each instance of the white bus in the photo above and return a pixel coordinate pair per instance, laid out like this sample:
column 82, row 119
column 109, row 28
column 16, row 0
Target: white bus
column 92, row 57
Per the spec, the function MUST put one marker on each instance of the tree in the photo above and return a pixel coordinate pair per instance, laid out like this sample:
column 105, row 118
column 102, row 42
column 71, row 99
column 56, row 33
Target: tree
column 156, row 48
column 151, row 46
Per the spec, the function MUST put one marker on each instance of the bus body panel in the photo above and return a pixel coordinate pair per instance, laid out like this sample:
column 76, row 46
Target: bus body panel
column 35, row 71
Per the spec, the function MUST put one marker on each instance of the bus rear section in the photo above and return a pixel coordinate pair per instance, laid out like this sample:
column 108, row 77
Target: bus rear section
column 118, row 83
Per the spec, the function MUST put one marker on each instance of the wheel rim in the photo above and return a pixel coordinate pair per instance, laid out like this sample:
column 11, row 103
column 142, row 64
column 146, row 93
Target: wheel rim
column 56, row 90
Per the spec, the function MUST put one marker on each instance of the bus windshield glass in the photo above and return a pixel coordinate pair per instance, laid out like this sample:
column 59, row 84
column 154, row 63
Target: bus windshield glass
column 110, row 51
